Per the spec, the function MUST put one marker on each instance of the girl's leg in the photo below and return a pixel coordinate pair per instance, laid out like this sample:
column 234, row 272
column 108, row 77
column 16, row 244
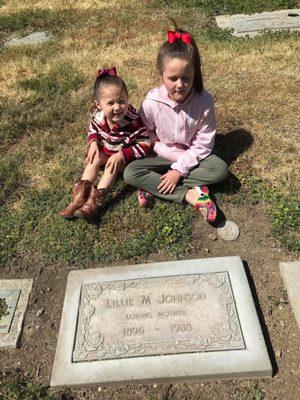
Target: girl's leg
column 146, row 173
column 82, row 187
column 98, row 195
column 108, row 179
column 91, row 171
column 210, row 170
column 80, row 193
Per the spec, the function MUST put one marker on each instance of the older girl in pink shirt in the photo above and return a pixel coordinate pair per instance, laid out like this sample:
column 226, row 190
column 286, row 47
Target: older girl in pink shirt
column 180, row 117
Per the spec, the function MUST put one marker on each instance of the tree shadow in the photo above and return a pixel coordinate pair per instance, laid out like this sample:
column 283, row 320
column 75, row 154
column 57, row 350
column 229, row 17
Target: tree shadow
column 261, row 319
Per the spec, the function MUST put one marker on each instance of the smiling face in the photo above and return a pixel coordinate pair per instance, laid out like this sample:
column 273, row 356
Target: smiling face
column 178, row 78
column 113, row 101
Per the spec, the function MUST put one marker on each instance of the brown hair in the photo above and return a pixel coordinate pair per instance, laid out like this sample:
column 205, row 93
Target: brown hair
column 182, row 50
column 102, row 82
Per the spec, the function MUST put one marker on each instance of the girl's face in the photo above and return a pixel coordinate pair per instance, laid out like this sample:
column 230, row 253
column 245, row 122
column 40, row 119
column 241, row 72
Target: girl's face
column 113, row 101
column 178, row 78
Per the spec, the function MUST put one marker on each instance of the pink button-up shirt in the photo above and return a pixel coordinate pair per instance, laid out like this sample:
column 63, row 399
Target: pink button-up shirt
column 184, row 132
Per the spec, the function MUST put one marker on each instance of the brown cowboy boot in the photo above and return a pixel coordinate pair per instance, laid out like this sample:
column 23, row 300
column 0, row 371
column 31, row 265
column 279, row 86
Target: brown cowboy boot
column 80, row 193
column 93, row 204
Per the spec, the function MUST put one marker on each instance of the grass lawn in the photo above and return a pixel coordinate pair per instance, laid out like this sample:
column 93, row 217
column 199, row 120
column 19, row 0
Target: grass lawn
column 46, row 97
column 45, row 102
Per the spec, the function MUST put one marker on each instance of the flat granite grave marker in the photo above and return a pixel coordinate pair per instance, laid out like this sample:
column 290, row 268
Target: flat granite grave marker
column 172, row 321
column 254, row 24
column 290, row 272
column 16, row 294
column 29, row 40
column 154, row 316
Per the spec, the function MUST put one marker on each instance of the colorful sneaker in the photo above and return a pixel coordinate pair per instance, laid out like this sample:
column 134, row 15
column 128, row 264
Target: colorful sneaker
column 145, row 198
column 205, row 205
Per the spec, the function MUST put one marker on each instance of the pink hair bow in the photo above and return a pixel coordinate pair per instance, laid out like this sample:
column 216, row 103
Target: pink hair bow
column 107, row 72
column 174, row 36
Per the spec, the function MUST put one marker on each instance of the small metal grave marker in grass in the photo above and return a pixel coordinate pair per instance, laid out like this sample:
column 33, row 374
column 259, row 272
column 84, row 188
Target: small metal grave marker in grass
column 8, row 304
column 32, row 39
column 254, row 24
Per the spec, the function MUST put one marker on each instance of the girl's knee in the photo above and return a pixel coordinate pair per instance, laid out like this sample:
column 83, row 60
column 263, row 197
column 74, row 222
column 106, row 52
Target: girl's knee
column 222, row 170
column 102, row 159
column 129, row 173
column 99, row 160
column 133, row 171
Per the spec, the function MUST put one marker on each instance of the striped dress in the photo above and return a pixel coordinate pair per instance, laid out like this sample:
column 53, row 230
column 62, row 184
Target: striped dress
column 128, row 136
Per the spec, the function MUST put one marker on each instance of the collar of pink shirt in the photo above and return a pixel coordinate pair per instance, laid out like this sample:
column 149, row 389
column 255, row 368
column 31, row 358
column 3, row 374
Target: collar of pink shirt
column 162, row 96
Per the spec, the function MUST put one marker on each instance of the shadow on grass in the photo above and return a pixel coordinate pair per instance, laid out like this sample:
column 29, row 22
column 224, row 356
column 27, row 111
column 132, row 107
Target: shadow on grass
column 229, row 147
column 218, row 7
column 66, row 20
column 261, row 320
column 46, row 19
column 233, row 144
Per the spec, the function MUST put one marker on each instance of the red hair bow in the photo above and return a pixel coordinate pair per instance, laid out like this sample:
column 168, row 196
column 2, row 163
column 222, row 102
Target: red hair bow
column 173, row 36
column 107, row 72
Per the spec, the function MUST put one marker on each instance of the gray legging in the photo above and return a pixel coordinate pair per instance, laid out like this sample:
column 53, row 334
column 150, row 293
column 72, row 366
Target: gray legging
column 145, row 174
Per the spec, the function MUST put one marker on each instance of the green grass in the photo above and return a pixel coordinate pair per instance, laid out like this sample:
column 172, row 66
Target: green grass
column 218, row 7
column 124, row 230
column 37, row 229
column 208, row 32
column 283, row 208
column 251, row 393
column 3, row 308
column 61, row 79
column 284, row 213
column 43, row 134
column 286, row 221
column 276, row 301
column 56, row 21
column 31, row 115
column 18, row 389
column 12, row 176
column 33, row 19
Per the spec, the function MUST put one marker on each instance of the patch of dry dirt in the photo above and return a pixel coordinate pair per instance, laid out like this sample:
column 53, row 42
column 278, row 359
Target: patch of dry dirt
column 261, row 256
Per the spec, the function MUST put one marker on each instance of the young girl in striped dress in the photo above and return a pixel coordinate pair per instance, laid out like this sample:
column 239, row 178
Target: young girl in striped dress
column 116, row 136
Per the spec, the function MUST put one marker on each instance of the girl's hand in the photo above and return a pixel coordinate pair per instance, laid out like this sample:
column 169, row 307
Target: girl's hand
column 92, row 152
column 169, row 181
column 114, row 163
column 154, row 143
